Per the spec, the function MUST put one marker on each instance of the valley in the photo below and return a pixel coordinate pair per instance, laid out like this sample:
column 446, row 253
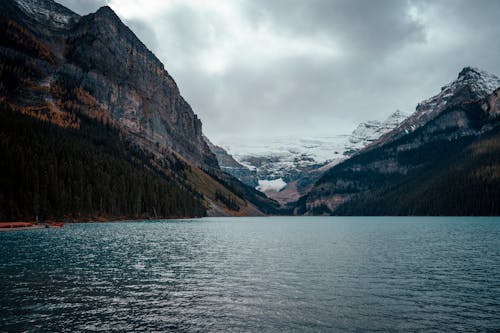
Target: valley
column 92, row 91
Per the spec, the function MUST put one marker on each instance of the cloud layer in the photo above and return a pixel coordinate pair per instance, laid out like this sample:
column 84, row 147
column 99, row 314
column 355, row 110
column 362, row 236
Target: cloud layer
column 254, row 69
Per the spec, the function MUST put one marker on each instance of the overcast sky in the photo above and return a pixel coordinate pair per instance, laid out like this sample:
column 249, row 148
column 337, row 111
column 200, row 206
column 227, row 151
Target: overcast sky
column 253, row 69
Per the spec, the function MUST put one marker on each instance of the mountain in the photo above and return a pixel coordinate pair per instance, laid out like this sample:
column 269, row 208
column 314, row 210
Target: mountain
column 229, row 165
column 91, row 80
column 472, row 84
column 442, row 160
column 286, row 168
column 370, row 131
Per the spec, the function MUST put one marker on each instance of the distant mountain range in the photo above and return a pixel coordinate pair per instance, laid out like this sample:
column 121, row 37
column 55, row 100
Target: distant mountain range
column 285, row 168
column 442, row 160
column 92, row 127
column 90, row 81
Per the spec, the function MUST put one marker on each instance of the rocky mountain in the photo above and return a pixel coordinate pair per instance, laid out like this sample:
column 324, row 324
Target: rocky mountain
column 472, row 84
column 81, row 73
column 370, row 131
column 99, row 61
column 286, row 168
column 441, row 160
column 229, row 165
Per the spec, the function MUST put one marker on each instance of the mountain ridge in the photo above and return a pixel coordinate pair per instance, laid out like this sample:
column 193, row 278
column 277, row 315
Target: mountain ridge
column 377, row 179
column 93, row 73
column 290, row 167
column 472, row 84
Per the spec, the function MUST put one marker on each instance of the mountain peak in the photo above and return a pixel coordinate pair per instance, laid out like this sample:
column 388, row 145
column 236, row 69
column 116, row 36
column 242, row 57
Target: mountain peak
column 107, row 14
column 397, row 115
column 479, row 81
column 469, row 71
column 106, row 11
column 472, row 84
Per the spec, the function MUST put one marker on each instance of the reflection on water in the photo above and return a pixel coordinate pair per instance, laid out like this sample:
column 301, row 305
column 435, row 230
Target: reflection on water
column 254, row 274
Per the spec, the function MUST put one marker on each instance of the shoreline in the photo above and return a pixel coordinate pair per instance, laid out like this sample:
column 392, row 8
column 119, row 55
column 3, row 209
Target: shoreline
column 22, row 228
column 43, row 225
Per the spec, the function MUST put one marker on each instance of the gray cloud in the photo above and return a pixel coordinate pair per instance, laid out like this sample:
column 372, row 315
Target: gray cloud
column 374, row 26
column 258, row 68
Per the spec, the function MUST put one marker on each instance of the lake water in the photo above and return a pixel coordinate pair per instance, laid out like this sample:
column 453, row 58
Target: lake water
column 321, row 274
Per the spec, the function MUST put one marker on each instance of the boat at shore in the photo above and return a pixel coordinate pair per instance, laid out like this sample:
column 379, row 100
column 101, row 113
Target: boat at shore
column 12, row 226
column 8, row 225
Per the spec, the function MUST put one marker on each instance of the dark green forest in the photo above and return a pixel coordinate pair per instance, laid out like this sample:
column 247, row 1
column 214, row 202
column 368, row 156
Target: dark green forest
column 91, row 172
column 460, row 177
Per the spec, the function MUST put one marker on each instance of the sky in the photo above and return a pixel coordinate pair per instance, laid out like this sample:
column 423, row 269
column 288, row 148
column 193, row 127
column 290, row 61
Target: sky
column 259, row 69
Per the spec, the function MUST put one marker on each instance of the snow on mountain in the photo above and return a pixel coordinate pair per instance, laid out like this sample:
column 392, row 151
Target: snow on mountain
column 408, row 170
column 283, row 160
column 370, row 131
column 228, row 164
column 471, row 85
column 285, row 157
column 47, row 11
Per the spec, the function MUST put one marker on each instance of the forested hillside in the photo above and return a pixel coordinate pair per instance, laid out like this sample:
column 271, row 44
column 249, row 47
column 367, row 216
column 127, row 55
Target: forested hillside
column 464, row 181
column 94, row 127
column 442, row 160
column 89, row 173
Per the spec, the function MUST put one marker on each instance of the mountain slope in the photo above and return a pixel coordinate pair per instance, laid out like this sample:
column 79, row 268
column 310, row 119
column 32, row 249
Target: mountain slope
column 368, row 132
column 464, row 182
column 143, row 97
column 229, row 165
column 83, row 74
column 422, row 165
column 472, row 84
column 287, row 168
column 57, row 173
column 97, row 61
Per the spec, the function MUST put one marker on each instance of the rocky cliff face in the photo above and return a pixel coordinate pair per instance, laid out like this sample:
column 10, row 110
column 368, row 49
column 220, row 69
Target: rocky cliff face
column 460, row 118
column 94, row 79
column 229, row 165
column 99, row 62
column 142, row 96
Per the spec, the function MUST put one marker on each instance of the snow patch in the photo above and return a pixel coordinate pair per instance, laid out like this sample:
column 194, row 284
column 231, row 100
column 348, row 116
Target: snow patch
column 46, row 11
column 275, row 185
column 287, row 157
column 471, row 84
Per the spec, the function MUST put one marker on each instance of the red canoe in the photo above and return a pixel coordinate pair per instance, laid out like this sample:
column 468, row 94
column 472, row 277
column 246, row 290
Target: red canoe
column 16, row 224
column 56, row 224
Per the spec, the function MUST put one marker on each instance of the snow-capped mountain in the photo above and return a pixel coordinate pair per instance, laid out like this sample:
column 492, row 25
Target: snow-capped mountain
column 368, row 132
column 472, row 84
column 49, row 13
column 285, row 157
column 442, row 160
column 283, row 160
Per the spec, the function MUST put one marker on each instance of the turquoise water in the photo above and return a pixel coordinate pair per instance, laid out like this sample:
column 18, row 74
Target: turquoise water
column 278, row 274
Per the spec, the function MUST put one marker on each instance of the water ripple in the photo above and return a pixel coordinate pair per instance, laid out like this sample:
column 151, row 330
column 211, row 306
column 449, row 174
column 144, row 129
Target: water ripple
column 254, row 274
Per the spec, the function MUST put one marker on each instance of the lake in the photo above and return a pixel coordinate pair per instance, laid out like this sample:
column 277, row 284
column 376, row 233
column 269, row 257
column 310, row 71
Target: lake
column 279, row 274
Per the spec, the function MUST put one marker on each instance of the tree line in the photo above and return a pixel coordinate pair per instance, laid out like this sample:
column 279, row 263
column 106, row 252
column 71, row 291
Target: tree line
column 91, row 172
